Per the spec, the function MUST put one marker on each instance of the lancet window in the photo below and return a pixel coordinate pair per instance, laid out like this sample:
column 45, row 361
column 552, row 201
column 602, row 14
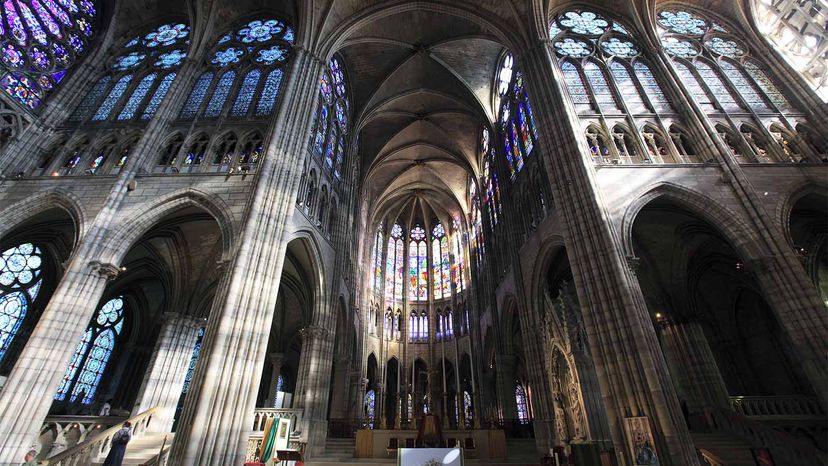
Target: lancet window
column 139, row 76
column 376, row 262
column 491, row 193
column 521, row 402
column 441, row 263
column 458, row 264
column 394, row 261
column 83, row 376
column 328, row 137
column 518, row 130
column 21, row 277
column 245, row 73
column 720, row 73
column 41, row 41
column 417, row 265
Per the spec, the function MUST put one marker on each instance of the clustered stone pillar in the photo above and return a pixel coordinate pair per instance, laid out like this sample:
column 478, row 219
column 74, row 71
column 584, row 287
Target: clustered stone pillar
column 276, row 361
column 692, row 365
column 167, row 369
column 315, row 370
column 217, row 415
column 505, row 365
column 31, row 386
column 631, row 370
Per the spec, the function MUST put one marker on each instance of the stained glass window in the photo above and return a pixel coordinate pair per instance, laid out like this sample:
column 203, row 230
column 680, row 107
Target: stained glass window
column 112, row 99
column 246, row 93
column 269, row 93
column 197, row 95
column 82, row 377
column 188, row 378
column 137, row 97
column 468, row 413
column 504, row 77
column 91, row 99
column 627, row 86
column 522, row 407
column 441, row 264
column 220, row 93
column 726, row 71
column 417, row 265
column 377, row 261
column 43, row 40
column 331, row 124
column 370, row 408
column 459, row 263
column 158, row 96
column 693, row 85
column 651, row 87
column 394, row 265
column 264, row 45
column 517, row 125
column 600, row 89
column 280, row 383
column 21, row 276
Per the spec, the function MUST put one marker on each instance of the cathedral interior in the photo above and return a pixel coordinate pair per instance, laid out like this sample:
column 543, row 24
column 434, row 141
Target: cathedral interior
column 572, row 232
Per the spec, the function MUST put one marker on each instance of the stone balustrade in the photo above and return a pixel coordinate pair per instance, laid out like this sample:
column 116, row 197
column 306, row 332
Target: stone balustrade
column 260, row 418
column 65, row 431
column 774, row 407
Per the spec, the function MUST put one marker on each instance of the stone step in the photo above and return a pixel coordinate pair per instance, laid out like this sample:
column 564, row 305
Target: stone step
column 142, row 449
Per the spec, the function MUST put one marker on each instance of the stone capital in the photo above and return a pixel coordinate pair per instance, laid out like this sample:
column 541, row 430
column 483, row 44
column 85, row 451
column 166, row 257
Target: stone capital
column 313, row 332
column 276, row 358
column 634, row 263
column 108, row 271
column 184, row 320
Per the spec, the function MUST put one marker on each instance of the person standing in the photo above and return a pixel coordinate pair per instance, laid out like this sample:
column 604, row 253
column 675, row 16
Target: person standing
column 119, row 444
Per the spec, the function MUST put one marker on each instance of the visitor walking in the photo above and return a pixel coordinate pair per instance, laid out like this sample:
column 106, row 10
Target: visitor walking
column 119, row 444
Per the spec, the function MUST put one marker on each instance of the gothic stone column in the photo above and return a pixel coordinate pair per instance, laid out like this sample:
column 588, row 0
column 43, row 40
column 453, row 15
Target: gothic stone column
column 219, row 407
column 276, row 361
column 313, row 388
column 631, row 369
column 695, row 373
column 167, row 369
column 29, row 391
column 505, row 366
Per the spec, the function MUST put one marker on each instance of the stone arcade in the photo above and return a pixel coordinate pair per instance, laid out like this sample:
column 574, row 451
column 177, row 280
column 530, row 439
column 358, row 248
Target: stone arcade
column 592, row 230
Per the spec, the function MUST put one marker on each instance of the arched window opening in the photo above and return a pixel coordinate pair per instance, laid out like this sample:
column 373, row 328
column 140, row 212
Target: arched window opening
column 627, row 146
column 248, row 61
column 417, row 265
column 439, row 323
column 657, row 147
column 797, row 31
column 169, row 156
column 388, row 324
column 398, row 325
column 738, row 84
column 394, row 264
column 310, row 194
column 251, row 153
column 598, row 145
column 448, row 323
column 522, row 405
column 468, row 412
column 323, row 206
column 491, row 195
column 458, row 266
column 441, row 264
column 331, row 126
column 370, row 408
column 196, row 151
column 188, row 378
column 376, row 261
column 74, row 158
column 21, row 277
column 517, row 123
column 757, row 143
column 730, row 140
column 83, row 375
column 683, row 144
column 101, row 157
column 225, row 151
column 423, row 325
column 143, row 71
column 413, row 327
column 38, row 52
column 786, row 140
column 601, row 61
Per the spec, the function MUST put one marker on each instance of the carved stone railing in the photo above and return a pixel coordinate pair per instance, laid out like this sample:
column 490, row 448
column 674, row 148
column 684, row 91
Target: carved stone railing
column 784, row 447
column 777, row 407
column 61, row 432
column 260, row 417
column 96, row 445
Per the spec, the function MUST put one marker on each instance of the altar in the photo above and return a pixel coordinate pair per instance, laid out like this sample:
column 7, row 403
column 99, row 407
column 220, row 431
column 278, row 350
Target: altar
column 476, row 443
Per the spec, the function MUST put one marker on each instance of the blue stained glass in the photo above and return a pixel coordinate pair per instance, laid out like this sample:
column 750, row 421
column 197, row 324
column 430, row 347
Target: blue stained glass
column 158, row 96
column 619, row 47
column 682, row 22
column 129, row 60
column 167, row 35
column 726, row 47
column 271, row 55
column 585, row 22
column 13, row 57
column 94, row 366
column 20, row 270
column 197, row 95
column 370, row 408
column 37, row 32
column 15, row 24
column 138, row 95
column 132, row 42
column 743, row 85
column 225, row 38
column 575, row 48
column 87, row 7
column 170, row 59
column 84, row 26
column 227, row 56
column 91, row 99
column 680, row 47
column 74, row 365
column 627, row 86
column 321, row 130
column 76, row 43
column 767, row 86
column 714, row 82
column 114, row 96
column 259, row 31
column 522, row 407
column 651, row 87
column 269, row 93
column 531, row 118
column 341, row 115
column 47, row 19
column 600, row 89
column 188, row 378
column 69, row 5
column 220, row 94
column 330, row 150
column 694, row 86
column 289, row 35
column 58, row 12
column 246, row 92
